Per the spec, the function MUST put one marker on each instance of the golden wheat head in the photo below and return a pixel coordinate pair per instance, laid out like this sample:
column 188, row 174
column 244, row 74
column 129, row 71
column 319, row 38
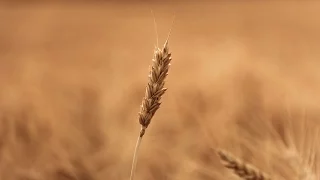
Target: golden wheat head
column 154, row 91
column 155, row 88
column 240, row 168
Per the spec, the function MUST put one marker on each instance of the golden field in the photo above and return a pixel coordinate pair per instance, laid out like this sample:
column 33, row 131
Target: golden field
column 244, row 77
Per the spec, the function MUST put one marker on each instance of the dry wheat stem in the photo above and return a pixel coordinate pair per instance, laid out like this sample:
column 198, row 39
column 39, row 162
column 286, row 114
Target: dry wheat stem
column 240, row 168
column 154, row 91
column 135, row 157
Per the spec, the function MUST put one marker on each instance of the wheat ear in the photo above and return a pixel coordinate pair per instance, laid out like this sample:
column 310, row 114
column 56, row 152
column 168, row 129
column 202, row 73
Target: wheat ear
column 243, row 170
column 154, row 91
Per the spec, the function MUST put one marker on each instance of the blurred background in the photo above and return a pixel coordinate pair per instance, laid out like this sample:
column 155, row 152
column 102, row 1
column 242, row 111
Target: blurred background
column 244, row 77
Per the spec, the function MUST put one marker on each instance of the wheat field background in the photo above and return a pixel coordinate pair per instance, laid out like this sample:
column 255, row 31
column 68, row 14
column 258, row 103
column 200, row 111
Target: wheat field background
column 244, row 77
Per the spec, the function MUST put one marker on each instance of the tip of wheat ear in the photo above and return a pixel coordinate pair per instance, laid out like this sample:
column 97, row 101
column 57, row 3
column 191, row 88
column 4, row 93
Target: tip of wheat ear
column 155, row 87
column 241, row 169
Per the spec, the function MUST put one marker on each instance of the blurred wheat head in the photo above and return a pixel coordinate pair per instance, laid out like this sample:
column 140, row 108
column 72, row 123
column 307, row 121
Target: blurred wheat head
column 241, row 169
column 295, row 155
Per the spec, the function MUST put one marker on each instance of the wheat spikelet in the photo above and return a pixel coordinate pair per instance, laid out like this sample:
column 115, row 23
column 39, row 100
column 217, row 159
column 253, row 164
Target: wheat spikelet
column 154, row 91
column 240, row 168
column 155, row 88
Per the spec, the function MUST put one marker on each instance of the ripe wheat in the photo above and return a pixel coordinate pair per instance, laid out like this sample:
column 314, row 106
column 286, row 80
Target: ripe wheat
column 154, row 91
column 240, row 168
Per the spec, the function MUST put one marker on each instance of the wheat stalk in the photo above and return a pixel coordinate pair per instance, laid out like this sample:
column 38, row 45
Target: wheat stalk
column 154, row 91
column 243, row 170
